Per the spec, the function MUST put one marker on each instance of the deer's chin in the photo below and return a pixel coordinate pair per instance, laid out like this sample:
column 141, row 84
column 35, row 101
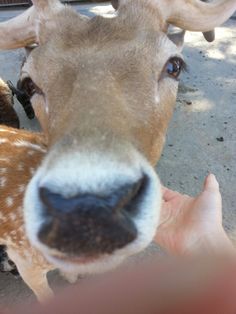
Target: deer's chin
column 85, row 265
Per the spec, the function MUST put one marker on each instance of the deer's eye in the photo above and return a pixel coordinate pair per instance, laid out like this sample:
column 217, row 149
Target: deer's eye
column 28, row 87
column 175, row 66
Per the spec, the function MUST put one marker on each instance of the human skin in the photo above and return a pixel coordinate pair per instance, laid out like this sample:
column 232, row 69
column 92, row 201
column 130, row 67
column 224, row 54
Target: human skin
column 192, row 225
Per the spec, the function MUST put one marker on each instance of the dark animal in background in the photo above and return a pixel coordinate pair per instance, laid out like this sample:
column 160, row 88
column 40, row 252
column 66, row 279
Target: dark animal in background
column 8, row 115
column 6, row 265
column 23, row 98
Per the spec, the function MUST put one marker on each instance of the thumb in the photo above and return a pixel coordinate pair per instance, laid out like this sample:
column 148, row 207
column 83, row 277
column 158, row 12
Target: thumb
column 211, row 184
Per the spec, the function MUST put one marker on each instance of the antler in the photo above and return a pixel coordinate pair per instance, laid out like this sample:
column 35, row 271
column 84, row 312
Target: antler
column 48, row 5
column 209, row 36
column 195, row 15
column 192, row 15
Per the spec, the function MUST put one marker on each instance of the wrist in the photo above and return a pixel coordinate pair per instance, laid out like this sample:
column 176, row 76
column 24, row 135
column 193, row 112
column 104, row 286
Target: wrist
column 212, row 243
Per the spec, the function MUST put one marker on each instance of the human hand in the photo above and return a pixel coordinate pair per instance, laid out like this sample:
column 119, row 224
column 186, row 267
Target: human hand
column 191, row 224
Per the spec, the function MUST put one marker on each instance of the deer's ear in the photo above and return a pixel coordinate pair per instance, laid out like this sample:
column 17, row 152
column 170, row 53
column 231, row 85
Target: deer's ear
column 177, row 38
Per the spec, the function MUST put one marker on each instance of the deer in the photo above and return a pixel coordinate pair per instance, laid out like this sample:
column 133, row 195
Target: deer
column 107, row 89
column 8, row 115
column 21, row 153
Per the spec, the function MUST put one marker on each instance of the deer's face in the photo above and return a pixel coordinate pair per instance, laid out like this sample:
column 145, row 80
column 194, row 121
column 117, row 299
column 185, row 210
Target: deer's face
column 109, row 97
column 107, row 87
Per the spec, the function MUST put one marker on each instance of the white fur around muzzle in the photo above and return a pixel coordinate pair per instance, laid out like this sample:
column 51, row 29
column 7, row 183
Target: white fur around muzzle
column 93, row 174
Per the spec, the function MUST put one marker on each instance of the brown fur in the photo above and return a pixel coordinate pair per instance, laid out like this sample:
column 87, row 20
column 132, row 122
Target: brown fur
column 121, row 106
column 107, row 74
column 20, row 154
column 17, row 166
column 104, row 88
column 100, row 89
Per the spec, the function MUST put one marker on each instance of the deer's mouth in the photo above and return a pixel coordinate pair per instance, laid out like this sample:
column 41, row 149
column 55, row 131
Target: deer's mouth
column 84, row 264
column 75, row 259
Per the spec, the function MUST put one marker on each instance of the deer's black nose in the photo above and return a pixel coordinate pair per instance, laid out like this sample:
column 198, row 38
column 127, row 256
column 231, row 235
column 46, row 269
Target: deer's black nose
column 89, row 224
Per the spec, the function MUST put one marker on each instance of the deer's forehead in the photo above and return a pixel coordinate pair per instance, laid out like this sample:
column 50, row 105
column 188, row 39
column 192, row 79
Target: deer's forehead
column 144, row 50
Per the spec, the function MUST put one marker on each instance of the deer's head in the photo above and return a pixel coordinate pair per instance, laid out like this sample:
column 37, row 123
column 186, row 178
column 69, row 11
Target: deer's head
column 108, row 88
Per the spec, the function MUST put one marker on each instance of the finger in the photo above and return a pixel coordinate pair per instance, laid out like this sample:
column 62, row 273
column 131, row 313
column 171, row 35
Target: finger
column 211, row 184
column 164, row 189
column 168, row 194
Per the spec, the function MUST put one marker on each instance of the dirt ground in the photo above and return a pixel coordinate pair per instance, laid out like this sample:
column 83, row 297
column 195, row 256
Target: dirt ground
column 201, row 136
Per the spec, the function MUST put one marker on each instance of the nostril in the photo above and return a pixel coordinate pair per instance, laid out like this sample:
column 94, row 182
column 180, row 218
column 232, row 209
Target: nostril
column 55, row 202
column 125, row 198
